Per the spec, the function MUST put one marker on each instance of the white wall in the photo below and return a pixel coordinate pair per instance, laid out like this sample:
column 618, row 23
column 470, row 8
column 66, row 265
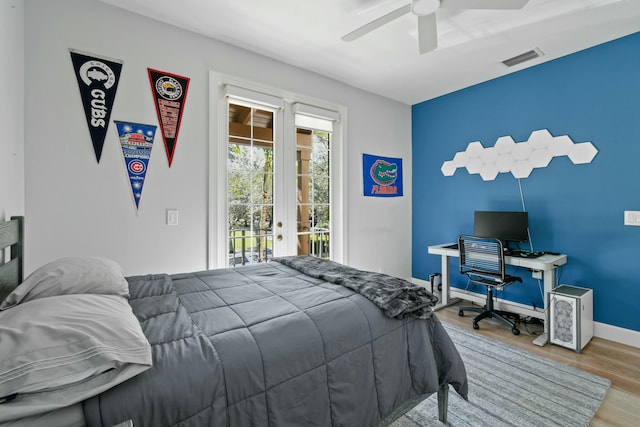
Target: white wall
column 12, row 108
column 76, row 206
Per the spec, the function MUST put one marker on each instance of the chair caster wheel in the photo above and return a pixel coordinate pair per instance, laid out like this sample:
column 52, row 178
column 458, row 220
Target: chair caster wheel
column 460, row 313
column 475, row 326
column 515, row 331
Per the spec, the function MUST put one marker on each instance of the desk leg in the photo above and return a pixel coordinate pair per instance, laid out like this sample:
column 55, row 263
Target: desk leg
column 548, row 277
column 444, row 300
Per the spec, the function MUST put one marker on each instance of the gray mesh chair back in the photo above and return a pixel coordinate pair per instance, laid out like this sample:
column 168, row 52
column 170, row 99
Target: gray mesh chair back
column 482, row 261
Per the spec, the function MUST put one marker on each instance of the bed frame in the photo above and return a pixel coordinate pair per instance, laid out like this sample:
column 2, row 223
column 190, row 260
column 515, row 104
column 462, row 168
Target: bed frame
column 11, row 275
column 443, row 405
column 11, row 235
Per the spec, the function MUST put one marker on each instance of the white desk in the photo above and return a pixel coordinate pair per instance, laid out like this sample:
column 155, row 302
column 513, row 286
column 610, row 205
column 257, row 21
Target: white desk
column 546, row 264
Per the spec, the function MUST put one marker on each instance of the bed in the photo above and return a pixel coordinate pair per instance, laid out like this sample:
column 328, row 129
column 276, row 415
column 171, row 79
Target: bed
column 295, row 341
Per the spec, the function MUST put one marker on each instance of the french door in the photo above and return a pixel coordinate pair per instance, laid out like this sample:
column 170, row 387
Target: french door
column 279, row 187
column 250, row 182
column 314, row 138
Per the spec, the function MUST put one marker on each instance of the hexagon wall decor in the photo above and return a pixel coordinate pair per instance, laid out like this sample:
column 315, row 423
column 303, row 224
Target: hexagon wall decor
column 518, row 158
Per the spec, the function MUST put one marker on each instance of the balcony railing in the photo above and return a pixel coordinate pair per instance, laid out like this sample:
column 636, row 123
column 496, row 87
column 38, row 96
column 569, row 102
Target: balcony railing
column 314, row 242
column 251, row 246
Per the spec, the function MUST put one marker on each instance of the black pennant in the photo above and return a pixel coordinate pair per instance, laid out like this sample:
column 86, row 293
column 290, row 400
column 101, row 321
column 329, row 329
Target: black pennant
column 98, row 82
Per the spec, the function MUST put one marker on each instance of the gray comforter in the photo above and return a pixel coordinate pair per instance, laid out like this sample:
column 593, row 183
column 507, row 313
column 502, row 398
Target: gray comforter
column 267, row 345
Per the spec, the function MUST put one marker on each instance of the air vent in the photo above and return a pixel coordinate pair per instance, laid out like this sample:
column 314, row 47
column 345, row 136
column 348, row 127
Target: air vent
column 523, row 57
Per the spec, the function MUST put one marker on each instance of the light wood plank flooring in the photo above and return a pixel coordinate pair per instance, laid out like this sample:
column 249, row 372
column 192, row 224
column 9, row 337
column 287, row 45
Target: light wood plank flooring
column 617, row 362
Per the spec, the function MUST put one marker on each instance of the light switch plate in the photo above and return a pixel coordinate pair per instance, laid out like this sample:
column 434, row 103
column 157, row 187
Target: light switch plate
column 632, row 218
column 172, row 217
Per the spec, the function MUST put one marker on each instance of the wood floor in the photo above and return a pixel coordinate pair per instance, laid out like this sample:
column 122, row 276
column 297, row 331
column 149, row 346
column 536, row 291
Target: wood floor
column 617, row 362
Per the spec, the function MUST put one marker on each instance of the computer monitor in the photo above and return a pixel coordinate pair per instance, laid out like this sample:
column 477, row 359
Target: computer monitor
column 506, row 226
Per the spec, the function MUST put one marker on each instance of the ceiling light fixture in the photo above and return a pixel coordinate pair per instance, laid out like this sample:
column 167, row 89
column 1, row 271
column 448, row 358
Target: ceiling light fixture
column 425, row 12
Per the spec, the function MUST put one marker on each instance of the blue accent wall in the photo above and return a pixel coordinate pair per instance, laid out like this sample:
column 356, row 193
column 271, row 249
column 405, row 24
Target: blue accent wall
column 592, row 95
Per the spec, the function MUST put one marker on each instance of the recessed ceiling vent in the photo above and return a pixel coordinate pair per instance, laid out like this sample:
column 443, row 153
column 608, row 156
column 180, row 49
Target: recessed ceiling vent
column 523, row 57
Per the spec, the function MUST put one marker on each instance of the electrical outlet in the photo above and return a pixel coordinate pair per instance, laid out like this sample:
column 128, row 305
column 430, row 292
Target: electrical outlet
column 536, row 274
column 172, row 217
column 632, row 218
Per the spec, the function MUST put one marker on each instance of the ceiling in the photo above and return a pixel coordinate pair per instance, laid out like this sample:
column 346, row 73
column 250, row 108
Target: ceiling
column 471, row 43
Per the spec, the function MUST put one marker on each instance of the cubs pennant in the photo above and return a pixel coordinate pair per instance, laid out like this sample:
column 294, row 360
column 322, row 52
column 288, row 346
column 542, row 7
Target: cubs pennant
column 169, row 94
column 136, row 141
column 98, row 81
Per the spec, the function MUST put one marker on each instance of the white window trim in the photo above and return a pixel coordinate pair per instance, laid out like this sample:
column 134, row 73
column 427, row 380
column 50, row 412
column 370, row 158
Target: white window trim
column 221, row 85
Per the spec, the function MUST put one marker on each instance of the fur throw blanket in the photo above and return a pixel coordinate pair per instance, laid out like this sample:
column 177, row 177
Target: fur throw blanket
column 397, row 297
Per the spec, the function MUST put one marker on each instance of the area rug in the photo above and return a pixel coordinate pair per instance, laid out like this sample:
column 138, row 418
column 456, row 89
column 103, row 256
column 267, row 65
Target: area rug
column 512, row 387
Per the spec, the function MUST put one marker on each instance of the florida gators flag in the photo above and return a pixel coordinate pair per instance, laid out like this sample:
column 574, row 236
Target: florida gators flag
column 136, row 141
column 169, row 94
column 381, row 176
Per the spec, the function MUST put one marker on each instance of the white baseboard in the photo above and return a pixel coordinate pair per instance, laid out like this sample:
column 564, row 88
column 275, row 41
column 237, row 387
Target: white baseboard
column 617, row 334
column 600, row 330
column 423, row 283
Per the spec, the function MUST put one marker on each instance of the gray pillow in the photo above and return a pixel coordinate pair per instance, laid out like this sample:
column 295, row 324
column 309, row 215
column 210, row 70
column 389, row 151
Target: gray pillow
column 61, row 350
column 71, row 275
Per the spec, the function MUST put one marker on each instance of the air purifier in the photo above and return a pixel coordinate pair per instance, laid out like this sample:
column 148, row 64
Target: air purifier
column 570, row 316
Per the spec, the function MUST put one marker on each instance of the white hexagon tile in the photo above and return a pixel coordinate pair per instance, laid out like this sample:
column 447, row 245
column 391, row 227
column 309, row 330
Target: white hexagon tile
column 518, row 158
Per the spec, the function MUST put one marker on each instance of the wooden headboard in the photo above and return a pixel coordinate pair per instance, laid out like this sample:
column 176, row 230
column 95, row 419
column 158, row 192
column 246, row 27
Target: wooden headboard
column 11, row 235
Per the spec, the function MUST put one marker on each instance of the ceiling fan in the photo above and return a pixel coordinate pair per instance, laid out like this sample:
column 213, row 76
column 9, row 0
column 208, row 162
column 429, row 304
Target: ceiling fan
column 425, row 10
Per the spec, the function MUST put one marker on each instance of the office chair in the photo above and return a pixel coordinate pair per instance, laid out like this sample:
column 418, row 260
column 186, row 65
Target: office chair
column 482, row 261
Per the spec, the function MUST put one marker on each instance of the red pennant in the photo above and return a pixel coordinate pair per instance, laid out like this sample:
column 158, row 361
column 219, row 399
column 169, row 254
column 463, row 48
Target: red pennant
column 170, row 94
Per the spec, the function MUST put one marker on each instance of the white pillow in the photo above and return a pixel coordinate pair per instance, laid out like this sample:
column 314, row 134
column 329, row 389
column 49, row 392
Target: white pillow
column 72, row 275
column 61, row 350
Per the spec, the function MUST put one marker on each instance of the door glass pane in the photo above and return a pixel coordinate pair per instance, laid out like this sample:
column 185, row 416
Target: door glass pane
column 313, row 183
column 262, row 188
column 250, row 184
column 238, row 182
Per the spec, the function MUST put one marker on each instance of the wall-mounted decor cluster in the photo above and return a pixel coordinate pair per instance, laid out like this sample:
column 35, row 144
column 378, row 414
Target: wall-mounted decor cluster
column 98, row 79
column 518, row 158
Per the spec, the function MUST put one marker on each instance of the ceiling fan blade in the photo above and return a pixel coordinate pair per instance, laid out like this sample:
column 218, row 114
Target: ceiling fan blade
column 427, row 33
column 483, row 4
column 377, row 23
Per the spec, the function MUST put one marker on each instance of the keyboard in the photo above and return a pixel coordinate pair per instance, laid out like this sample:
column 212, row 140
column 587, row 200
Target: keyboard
column 524, row 254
